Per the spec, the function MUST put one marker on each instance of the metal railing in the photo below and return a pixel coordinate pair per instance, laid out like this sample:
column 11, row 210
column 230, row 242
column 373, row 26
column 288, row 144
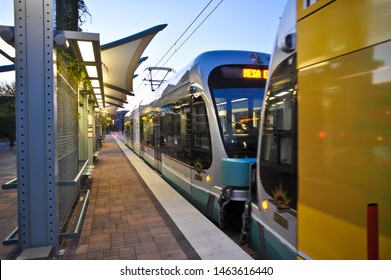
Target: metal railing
column 11, row 238
column 10, row 184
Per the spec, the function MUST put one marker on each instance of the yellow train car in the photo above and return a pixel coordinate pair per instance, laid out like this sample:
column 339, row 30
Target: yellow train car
column 327, row 189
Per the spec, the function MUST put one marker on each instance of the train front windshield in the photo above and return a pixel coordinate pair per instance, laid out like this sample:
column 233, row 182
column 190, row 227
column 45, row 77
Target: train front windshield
column 238, row 101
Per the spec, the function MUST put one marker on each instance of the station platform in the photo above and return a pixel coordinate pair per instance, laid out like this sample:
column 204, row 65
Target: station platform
column 8, row 199
column 133, row 214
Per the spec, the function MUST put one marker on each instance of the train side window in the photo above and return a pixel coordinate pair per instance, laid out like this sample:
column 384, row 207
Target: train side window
column 200, row 127
column 175, row 121
column 286, row 150
column 129, row 131
column 277, row 140
column 168, row 139
column 185, row 131
column 308, row 3
column 270, row 148
column 147, row 131
column 201, row 144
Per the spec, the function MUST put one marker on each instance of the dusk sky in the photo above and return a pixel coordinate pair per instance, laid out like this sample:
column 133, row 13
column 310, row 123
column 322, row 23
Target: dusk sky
column 233, row 25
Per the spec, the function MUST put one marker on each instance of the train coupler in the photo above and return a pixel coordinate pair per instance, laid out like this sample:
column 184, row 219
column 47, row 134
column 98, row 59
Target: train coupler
column 224, row 199
column 245, row 232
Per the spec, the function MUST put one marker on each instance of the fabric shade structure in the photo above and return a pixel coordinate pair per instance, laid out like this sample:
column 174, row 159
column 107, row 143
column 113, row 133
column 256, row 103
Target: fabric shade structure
column 120, row 60
column 110, row 68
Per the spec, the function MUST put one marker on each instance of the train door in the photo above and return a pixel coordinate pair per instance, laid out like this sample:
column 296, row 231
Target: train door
column 141, row 137
column 157, row 140
column 175, row 144
column 201, row 153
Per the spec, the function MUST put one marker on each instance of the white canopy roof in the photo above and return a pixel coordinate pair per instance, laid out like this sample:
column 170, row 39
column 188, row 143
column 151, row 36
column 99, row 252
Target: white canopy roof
column 115, row 62
column 120, row 60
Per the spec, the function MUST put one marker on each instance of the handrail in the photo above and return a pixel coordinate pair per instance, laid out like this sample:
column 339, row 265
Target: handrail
column 10, row 239
column 74, row 181
column 10, row 184
column 76, row 232
column 81, row 170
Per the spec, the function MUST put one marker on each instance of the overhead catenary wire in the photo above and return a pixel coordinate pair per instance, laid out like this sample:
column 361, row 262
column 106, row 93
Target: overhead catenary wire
column 193, row 32
column 180, row 37
column 207, row 5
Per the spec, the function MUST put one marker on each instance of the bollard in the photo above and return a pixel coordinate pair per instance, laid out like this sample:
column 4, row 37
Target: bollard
column 372, row 231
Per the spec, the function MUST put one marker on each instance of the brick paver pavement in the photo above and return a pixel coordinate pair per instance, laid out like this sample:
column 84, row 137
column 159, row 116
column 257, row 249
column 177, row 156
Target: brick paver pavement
column 124, row 220
column 8, row 222
column 8, row 200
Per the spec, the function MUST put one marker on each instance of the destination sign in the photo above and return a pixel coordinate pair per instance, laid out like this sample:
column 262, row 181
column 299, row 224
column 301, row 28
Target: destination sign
column 255, row 73
column 231, row 72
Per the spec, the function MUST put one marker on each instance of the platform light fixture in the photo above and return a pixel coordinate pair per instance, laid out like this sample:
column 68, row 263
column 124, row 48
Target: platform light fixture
column 92, row 72
column 86, row 50
column 86, row 47
column 95, row 84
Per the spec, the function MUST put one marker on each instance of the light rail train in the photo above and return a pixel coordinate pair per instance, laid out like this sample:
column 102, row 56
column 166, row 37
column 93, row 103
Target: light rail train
column 324, row 159
column 200, row 130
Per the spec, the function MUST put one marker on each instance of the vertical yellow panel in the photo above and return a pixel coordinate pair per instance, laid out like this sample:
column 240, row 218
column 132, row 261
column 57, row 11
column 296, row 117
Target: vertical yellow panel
column 307, row 7
column 344, row 153
column 340, row 27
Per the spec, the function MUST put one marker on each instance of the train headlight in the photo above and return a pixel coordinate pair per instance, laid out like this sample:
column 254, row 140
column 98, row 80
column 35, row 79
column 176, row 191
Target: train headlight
column 208, row 178
column 265, row 205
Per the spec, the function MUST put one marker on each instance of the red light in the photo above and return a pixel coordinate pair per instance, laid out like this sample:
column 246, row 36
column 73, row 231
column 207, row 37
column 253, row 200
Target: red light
column 322, row 134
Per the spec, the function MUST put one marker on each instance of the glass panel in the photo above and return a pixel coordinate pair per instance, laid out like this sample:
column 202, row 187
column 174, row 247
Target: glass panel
column 270, row 142
column 185, row 132
column 239, row 112
column 201, row 148
column 238, row 92
column 175, row 131
column 286, row 150
column 279, row 107
column 277, row 132
column 148, row 133
column 308, row 3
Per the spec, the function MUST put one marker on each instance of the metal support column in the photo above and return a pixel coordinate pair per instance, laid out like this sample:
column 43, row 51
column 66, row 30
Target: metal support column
column 36, row 125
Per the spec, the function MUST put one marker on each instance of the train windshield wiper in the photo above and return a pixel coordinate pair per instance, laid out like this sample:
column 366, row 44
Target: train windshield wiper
column 237, row 125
